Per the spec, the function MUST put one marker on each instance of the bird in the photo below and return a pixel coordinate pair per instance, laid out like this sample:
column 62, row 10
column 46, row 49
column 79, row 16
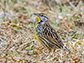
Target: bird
column 46, row 34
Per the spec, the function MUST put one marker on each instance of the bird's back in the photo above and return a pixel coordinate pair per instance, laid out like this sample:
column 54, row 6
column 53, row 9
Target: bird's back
column 48, row 36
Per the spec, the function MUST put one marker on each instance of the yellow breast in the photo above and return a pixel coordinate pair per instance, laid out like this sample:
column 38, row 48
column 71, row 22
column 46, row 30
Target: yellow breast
column 36, row 34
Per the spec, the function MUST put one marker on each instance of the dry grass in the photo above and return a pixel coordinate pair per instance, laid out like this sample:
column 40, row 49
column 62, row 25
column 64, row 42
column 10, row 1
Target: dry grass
column 17, row 40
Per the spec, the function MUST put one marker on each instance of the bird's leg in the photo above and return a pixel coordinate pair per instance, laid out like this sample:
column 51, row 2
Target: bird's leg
column 50, row 53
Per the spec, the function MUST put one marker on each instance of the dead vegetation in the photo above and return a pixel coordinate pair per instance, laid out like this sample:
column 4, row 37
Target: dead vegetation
column 17, row 39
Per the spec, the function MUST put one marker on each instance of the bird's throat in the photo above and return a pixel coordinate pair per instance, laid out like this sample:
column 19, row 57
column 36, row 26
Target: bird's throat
column 39, row 19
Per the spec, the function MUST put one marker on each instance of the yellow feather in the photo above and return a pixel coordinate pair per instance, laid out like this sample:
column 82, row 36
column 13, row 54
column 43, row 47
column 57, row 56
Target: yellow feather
column 36, row 34
column 39, row 19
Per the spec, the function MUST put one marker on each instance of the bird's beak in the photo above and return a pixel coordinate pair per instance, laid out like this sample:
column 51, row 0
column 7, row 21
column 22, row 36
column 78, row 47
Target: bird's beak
column 36, row 14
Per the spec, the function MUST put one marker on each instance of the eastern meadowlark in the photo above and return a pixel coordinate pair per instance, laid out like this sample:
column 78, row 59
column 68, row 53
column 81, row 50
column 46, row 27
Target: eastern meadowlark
column 46, row 35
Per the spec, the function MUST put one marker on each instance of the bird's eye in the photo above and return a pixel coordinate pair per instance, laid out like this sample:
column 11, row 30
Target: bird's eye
column 41, row 14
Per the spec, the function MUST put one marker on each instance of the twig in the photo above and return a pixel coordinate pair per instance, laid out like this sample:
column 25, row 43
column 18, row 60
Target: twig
column 6, row 48
column 71, row 34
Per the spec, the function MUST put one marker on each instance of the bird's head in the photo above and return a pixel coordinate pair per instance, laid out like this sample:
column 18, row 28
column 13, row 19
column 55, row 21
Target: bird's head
column 41, row 17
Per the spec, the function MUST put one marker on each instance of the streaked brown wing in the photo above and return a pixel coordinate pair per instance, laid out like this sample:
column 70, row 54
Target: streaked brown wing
column 51, row 36
column 48, row 43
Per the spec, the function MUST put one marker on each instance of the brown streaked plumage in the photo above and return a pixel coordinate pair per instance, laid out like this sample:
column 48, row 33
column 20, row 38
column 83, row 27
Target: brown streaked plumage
column 46, row 35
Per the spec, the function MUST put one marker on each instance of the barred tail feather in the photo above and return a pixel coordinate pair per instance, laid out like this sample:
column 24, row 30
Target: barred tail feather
column 67, row 49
